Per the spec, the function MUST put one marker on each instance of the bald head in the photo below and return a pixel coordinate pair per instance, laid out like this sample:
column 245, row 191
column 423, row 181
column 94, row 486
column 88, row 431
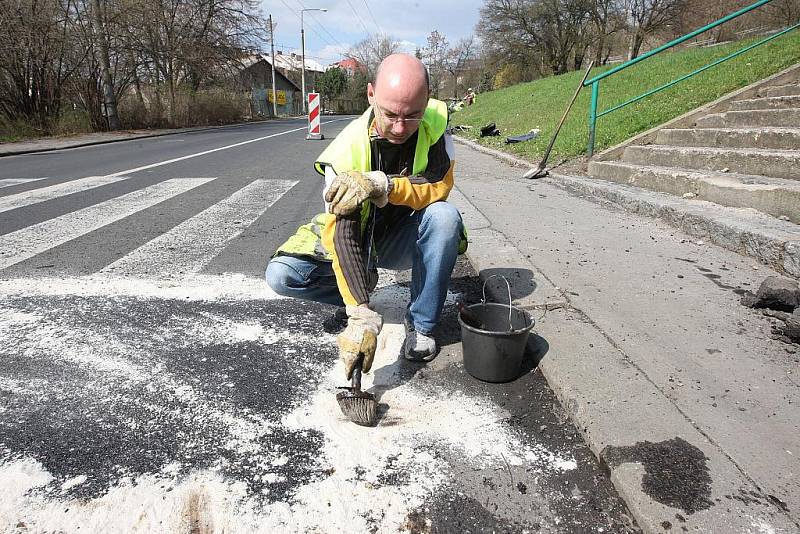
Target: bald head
column 399, row 68
column 400, row 92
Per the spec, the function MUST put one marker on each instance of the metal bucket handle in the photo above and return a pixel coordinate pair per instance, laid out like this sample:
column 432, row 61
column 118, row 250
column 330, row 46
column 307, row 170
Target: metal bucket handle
column 508, row 286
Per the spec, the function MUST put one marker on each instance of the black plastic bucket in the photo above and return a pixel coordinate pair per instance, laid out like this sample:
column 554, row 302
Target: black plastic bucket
column 494, row 353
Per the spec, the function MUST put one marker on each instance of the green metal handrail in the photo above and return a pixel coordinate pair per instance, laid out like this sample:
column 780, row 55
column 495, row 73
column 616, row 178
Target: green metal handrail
column 595, row 82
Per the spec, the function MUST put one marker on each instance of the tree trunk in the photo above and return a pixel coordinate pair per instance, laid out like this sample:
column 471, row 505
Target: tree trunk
column 109, row 98
column 637, row 39
column 601, row 44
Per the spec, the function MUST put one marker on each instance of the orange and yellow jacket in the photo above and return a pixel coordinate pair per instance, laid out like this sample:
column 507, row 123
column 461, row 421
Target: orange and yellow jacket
column 420, row 173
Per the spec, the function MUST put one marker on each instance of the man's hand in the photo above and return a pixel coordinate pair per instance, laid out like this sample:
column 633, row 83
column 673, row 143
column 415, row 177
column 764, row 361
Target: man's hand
column 359, row 338
column 349, row 189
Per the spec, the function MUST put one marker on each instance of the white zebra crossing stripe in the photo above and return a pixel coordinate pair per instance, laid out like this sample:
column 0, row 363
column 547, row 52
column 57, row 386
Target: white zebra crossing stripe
column 30, row 241
column 185, row 249
column 26, row 198
column 8, row 182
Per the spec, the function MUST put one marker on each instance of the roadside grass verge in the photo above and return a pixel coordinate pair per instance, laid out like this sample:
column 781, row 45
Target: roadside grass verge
column 540, row 104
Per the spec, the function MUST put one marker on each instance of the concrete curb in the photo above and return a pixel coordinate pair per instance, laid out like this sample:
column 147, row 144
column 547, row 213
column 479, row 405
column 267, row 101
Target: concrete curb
column 745, row 231
column 158, row 133
column 613, row 403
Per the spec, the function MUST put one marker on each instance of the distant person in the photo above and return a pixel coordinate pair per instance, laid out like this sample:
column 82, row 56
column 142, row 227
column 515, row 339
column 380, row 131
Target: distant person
column 469, row 97
column 387, row 174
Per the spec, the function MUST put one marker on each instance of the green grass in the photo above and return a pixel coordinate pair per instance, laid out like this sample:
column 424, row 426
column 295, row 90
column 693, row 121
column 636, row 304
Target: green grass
column 541, row 103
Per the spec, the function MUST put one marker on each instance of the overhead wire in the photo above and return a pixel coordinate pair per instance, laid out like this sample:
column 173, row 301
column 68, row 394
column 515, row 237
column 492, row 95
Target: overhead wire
column 338, row 43
column 310, row 27
column 372, row 16
column 358, row 17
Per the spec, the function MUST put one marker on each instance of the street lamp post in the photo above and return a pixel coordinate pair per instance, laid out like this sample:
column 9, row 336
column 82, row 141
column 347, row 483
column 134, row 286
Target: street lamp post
column 303, row 46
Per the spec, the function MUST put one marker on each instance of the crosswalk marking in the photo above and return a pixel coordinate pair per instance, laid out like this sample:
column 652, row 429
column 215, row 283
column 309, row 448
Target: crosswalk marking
column 185, row 249
column 28, row 242
column 8, row 182
column 26, row 198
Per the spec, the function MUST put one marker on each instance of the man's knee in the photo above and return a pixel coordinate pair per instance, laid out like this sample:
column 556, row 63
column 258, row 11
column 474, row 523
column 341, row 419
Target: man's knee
column 280, row 276
column 443, row 219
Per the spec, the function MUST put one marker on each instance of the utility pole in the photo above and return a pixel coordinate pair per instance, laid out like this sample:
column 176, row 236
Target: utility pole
column 303, row 66
column 272, row 47
column 303, row 47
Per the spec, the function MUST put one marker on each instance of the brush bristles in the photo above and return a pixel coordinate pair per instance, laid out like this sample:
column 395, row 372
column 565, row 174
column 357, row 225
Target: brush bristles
column 361, row 411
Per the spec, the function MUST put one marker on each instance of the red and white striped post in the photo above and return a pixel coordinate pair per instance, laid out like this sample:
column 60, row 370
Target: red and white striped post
column 314, row 131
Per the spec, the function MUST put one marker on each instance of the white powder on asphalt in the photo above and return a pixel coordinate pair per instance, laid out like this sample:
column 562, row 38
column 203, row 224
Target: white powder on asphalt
column 198, row 287
column 72, row 482
column 376, row 475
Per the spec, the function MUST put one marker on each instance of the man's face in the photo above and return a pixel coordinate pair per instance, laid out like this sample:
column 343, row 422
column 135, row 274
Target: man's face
column 397, row 112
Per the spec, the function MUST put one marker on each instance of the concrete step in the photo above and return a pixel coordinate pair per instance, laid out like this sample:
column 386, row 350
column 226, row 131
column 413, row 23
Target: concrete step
column 769, row 138
column 773, row 196
column 774, row 163
column 749, row 232
column 781, row 90
column 772, row 102
column 786, row 118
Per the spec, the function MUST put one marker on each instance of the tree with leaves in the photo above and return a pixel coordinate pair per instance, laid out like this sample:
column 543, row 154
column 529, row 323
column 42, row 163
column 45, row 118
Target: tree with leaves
column 331, row 84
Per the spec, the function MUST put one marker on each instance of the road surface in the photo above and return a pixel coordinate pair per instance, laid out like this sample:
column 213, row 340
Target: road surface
column 150, row 381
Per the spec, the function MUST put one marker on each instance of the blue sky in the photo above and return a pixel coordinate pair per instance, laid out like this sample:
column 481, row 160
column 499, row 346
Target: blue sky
column 330, row 34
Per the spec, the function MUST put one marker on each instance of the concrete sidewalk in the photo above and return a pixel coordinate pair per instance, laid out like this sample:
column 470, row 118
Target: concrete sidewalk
column 678, row 389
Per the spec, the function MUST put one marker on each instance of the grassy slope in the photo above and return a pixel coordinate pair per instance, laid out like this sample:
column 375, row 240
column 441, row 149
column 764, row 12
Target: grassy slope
column 541, row 103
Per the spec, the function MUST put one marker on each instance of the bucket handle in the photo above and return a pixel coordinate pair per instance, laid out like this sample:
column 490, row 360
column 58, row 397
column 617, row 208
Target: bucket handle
column 508, row 286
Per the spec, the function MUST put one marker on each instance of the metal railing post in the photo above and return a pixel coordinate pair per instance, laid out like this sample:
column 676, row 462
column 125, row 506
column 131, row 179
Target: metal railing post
column 593, row 116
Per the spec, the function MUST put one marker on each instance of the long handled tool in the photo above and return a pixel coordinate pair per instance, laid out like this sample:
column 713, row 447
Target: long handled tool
column 358, row 406
column 540, row 172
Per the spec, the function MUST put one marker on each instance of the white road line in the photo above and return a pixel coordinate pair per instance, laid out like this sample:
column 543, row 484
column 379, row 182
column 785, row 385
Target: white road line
column 26, row 198
column 8, row 182
column 28, row 242
column 167, row 162
column 185, row 249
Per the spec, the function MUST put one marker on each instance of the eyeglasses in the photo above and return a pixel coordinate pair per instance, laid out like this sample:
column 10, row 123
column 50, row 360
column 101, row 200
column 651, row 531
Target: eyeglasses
column 391, row 119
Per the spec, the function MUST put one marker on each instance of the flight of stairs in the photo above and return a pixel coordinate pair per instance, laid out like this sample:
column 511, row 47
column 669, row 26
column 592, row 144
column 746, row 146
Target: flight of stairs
column 744, row 155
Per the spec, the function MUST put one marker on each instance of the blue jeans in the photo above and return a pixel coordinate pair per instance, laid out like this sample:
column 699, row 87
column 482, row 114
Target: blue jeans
column 427, row 242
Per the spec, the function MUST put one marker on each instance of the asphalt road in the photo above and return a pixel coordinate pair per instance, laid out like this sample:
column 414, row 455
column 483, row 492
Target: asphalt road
column 150, row 381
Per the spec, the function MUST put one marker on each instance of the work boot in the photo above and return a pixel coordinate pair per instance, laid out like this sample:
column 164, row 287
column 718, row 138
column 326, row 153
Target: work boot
column 418, row 346
column 335, row 323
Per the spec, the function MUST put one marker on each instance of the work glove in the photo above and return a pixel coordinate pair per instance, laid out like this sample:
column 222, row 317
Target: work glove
column 349, row 189
column 360, row 337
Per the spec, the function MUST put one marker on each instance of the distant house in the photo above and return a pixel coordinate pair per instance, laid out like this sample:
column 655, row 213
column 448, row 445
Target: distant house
column 290, row 66
column 350, row 65
column 256, row 76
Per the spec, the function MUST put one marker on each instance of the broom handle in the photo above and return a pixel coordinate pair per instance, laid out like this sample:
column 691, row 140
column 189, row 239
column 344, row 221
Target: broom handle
column 564, row 117
column 356, row 381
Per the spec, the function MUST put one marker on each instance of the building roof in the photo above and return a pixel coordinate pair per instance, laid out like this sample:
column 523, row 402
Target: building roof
column 254, row 59
column 285, row 61
column 293, row 61
column 350, row 64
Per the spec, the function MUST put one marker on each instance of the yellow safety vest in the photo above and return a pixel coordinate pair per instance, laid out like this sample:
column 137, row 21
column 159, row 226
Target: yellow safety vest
column 351, row 150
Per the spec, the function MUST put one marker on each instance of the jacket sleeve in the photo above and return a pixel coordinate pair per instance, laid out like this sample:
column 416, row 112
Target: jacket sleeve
column 431, row 185
column 342, row 238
